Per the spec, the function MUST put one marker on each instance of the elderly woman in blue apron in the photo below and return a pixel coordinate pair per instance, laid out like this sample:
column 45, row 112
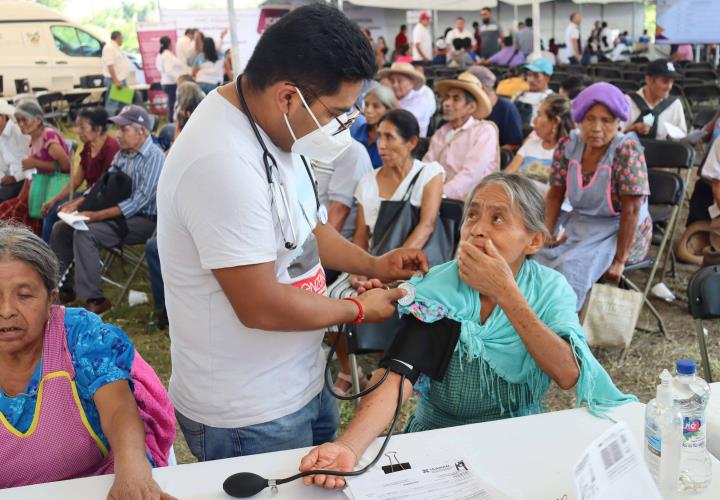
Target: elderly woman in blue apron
column 604, row 176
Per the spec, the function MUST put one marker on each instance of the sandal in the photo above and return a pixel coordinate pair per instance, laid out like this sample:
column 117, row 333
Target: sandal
column 347, row 378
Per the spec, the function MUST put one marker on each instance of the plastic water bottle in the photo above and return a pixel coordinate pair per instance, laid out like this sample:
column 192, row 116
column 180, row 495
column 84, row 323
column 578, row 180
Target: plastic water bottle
column 691, row 395
column 663, row 437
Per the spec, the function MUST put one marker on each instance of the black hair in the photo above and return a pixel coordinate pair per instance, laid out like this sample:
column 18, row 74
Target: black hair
column 529, row 22
column 574, row 84
column 404, row 121
column 209, row 49
column 404, row 48
column 573, row 15
column 165, row 43
column 460, row 18
column 508, row 41
column 115, row 34
column 403, row 27
column 604, row 24
column 315, row 47
column 190, row 31
column 447, row 30
column 97, row 116
column 458, row 43
column 476, row 24
column 560, row 107
column 485, row 8
column 467, row 43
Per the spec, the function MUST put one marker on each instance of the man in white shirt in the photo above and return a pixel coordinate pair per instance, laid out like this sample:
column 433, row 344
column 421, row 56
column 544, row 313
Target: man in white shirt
column 116, row 69
column 185, row 47
column 14, row 148
column 654, row 113
column 537, row 74
column 241, row 236
column 422, row 39
column 411, row 92
column 459, row 31
column 572, row 39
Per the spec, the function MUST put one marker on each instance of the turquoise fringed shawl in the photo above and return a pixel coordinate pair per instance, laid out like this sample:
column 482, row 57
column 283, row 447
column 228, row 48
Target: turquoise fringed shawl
column 441, row 293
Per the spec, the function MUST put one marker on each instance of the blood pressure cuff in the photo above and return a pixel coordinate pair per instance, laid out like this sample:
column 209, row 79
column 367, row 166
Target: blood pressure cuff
column 422, row 348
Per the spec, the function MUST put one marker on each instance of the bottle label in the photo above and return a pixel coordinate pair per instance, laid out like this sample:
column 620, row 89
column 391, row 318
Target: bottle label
column 693, row 432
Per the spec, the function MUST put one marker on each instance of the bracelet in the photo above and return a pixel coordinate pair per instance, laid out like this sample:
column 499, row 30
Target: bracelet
column 345, row 445
column 361, row 311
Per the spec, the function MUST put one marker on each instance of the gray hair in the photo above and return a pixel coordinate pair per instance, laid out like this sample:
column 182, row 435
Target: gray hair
column 385, row 95
column 189, row 95
column 30, row 108
column 19, row 243
column 523, row 194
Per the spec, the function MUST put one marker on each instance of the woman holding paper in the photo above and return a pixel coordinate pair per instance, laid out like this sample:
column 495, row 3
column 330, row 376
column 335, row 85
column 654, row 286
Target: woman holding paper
column 97, row 154
column 518, row 332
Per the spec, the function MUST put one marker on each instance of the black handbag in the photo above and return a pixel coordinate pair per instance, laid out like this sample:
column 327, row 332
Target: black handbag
column 110, row 189
column 397, row 219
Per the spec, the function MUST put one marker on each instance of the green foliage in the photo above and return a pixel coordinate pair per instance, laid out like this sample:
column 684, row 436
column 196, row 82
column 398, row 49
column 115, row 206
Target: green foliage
column 53, row 4
column 123, row 18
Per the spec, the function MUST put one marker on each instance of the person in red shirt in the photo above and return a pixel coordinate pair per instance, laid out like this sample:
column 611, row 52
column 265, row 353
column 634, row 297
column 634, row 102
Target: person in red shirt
column 401, row 38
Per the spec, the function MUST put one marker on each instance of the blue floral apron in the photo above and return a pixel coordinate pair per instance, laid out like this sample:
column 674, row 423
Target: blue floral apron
column 592, row 226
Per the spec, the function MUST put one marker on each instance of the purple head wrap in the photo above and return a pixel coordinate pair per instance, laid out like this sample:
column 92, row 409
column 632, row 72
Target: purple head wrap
column 601, row 93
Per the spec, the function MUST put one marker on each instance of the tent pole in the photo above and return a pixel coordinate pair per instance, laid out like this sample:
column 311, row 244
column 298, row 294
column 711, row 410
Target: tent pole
column 536, row 24
column 234, row 42
column 340, row 5
column 435, row 29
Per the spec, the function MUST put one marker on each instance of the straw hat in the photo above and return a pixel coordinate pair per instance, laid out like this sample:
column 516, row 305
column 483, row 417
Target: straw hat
column 469, row 83
column 6, row 108
column 405, row 69
column 698, row 237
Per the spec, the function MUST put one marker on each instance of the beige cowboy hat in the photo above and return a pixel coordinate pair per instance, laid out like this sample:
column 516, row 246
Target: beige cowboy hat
column 406, row 69
column 469, row 83
column 701, row 237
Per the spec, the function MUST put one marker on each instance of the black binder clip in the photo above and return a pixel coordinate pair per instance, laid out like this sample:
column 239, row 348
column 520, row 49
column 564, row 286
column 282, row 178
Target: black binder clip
column 394, row 467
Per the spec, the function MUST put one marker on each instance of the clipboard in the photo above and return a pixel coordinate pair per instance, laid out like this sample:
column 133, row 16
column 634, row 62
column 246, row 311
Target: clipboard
column 124, row 95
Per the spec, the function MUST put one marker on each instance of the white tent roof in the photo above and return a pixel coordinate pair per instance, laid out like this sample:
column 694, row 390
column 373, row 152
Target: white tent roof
column 429, row 4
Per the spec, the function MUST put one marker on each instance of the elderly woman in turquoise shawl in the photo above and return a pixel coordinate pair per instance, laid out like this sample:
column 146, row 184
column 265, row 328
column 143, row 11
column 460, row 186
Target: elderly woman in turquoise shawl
column 518, row 332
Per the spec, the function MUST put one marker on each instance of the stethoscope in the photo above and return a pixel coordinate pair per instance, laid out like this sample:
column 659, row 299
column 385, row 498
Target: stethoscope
column 270, row 163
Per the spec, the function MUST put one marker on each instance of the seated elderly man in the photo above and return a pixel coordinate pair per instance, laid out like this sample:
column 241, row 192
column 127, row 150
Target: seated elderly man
column 518, row 332
column 537, row 75
column 466, row 146
column 407, row 84
column 654, row 113
column 14, row 148
column 131, row 221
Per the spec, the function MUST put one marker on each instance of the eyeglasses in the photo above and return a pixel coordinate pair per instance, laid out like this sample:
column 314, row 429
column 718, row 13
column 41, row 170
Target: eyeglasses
column 349, row 117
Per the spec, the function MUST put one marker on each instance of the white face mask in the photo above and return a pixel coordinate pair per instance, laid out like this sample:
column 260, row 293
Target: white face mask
column 320, row 144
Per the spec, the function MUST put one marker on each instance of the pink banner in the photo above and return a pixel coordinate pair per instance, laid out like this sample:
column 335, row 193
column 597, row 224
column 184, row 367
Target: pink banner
column 149, row 43
column 268, row 17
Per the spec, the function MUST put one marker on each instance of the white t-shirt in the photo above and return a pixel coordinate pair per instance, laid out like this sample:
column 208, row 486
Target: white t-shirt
column 571, row 33
column 536, row 159
column 368, row 193
column 209, row 72
column 170, row 67
column 674, row 115
column 421, row 35
column 534, row 99
column 215, row 211
column 14, row 148
column 185, row 49
column 455, row 33
column 711, row 167
column 113, row 55
column 338, row 180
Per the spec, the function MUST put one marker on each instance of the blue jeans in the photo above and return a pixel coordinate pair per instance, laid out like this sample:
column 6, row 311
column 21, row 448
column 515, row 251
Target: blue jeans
column 112, row 107
column 156, row 281
column 207, row 87
column 314, row 424
column 50, row 219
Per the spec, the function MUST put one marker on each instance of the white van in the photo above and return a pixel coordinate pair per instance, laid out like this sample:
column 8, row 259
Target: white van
column 40, row 45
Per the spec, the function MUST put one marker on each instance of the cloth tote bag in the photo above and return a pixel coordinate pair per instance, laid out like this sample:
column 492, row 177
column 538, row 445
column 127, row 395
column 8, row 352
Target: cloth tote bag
column 610, row 315
column 397, row 219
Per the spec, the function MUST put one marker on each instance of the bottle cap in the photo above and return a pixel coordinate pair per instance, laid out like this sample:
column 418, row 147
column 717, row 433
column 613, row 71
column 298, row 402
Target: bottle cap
column 409, row 297
column 686, row 367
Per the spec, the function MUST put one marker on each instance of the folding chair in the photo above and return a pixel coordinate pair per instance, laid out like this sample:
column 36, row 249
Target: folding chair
column 707, row 95
column 666, row 194
column 704, row 303
column 707, row 75
column 669, row 155
column 608, row 73
column 51, row 103
column 506, row 157
column 130, row 256
column 634, row 76
column 625, row 85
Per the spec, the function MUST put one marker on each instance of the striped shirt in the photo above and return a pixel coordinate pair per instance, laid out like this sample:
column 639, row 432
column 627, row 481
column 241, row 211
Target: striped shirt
column 144, row 169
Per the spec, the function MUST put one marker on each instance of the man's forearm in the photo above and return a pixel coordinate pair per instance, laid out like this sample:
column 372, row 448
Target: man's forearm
column 338, row 253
